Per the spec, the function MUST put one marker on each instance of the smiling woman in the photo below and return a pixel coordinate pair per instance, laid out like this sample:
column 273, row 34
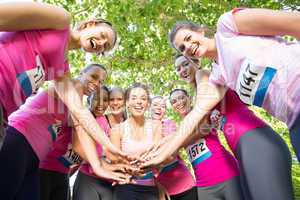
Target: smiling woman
column 34, row 41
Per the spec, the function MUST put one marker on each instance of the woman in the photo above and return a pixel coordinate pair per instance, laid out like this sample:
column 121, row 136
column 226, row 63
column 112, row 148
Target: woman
column 134, row 136
column 87, row 184
column 31, row 132
column 175, row 176
column 35, row 39
column 216, row 170
column 243, row 130
column 116, row 107
column 251, row 59
column 62, row 160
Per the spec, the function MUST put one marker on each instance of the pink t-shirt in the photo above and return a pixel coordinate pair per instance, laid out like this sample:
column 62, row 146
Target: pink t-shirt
column 175, row 176
column 264, row 71
column 86, row 168
column 212, row 164
column 40, row 119
column 61, row 157
column 28, row 58
column 234, row 118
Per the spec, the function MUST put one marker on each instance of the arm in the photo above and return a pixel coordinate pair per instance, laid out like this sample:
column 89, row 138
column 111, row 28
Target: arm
column 18, row 16
column 90, row 154
column 67, row 93
column 267, row 22
column 115, row 138
column 208, row 95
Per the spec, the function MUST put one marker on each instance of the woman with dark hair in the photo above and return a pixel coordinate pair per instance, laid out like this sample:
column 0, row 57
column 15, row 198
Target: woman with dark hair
column 34, row 41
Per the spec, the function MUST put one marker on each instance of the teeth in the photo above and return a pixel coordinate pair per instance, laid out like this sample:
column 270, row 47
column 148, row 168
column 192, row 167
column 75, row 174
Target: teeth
column 93, row 43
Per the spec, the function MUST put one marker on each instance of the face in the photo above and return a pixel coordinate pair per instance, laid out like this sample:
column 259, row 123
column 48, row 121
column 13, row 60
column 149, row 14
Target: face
column 116, row 102
column 92, row 79
column 138, row 102
column 180, row 103
column 185, row 69
column 101, row 103
column 158, row 108
column 191, row 43
column 97, row 38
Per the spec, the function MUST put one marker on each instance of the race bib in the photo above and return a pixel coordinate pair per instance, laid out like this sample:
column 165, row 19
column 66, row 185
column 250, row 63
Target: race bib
column 32, row 79
column 54, row 129
column 70, row 158
column 253, row 82
column 198, row 152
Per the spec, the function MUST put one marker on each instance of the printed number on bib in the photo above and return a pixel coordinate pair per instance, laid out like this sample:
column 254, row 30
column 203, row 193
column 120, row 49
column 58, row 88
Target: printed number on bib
column 198, row 152
column 32, row 79
column 253, row 82
column 70, row 158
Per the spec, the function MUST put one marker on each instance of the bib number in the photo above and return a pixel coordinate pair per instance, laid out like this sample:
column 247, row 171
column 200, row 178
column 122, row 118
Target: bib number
column 198, row 152
column 253, row 82
column 70, row 158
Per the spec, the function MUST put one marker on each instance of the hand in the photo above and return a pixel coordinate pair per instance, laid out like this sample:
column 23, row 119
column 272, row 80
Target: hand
column 107, row 174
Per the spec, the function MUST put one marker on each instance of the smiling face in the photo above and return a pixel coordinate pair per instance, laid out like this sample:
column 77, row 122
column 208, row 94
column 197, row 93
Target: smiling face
column 99, row 102
column 191, row 43
column 158, row 108
column 180, row 102
column 92, row 79
column 185, row 69
column 138, row 101
column 97, row 38
column 116, row 101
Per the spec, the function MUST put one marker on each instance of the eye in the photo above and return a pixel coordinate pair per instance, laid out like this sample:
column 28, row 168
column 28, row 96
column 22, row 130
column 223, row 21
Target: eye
column 181, row 48
column 173, row 101
column 185, row 63
column 188, row 38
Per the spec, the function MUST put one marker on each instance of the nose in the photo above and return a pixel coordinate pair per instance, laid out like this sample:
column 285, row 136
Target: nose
column 102, row 43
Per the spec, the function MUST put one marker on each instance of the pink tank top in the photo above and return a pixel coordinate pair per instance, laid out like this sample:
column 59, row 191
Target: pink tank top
column 61, row 157
column 28, row 58
column 132, row 146
column 40, row 120
column 175, row 176
column 86, row 167
column 212, row 164
column 234, row 118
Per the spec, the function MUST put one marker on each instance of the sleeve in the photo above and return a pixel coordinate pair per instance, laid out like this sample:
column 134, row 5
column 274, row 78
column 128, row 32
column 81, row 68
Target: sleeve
column 226, row 24
column 216, row 77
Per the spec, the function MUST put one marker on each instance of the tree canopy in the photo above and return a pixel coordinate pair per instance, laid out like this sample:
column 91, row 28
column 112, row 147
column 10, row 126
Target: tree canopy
column 144, row 53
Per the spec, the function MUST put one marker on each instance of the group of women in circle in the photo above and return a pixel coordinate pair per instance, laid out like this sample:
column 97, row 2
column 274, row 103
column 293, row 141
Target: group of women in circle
column 125, row 155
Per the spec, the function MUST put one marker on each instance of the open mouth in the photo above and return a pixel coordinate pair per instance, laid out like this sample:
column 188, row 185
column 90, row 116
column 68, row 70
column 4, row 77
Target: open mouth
column 91, row 88
column 180, row 107
column 138, row 108
column 195, row 49
column 93, row 44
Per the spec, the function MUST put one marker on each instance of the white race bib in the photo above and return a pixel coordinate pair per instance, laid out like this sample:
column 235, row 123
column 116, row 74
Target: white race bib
column 70, row 158
column 32, row 79
column 253, row 82
column 198, row 152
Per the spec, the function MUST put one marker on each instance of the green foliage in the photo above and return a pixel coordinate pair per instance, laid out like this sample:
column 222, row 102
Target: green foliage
column 144, row 53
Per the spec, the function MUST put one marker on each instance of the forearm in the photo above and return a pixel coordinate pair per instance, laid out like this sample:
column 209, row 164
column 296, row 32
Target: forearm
column 268, row 22
column 69, row 95
column 18, row 16
column 85, row 146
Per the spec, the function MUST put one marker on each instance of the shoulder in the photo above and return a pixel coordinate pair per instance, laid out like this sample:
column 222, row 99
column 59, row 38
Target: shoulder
column 226, row 24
